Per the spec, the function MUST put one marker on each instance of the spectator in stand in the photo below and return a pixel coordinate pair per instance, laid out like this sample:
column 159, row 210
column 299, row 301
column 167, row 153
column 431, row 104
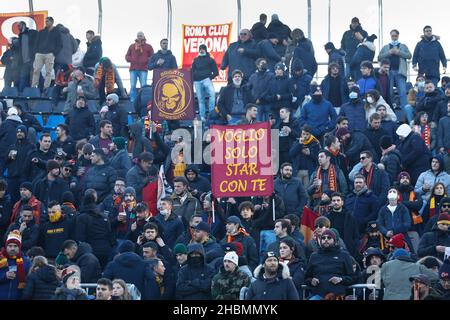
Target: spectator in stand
column 68, row 47
column 27, row 42
column 267, row 51
column 42, row 280
column 429, row 103
column 51, row 187
column 241, row 55
column 48, row 46
column 120, row 159
column 336, row 56
column 27, row 226
column 282, row 31
column 354, row 111
column 64, row 144
column 305, row 53
column 383, row 79
column 104, row 138
column 334, row 87
column 259, row 30
column 184, row 203
column 374, row 132
column 26, row 198
column 106, row 77
column 163, row 59
column 435, row 242
column 77, row 57
column 415, row 153
column 39, row 158
column 398, row 54
column 364, row 53
column 350, row 41
column 429, row 178
column 11, row 59
column 80, row 85
column 197, row 183
column 443, row 137
column 387, row 124
column 282, row 96
column 299, row 83
column 100, row 176
column 377, row 179
column 80, row 121
column 261, row 86
column 171, row 223
column 138, row 56
column 94, row 52
column 427, row 54
column 8, row 134
column 366, row 81
column 5, row 207
column 117, row 115
column 29, row 121
column 373, row 100
column 391, row 158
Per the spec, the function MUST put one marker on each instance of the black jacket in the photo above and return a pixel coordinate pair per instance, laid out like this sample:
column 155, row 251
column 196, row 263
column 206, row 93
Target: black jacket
column 38, row 170
column 259, row 31
column 415, row 155
column 349, row 43
column 30, row 235
column 49, row 41
column 226, row 98
column 374, row 137
column 280, row 29
column 30, row 121
column 350, row 233
column 88, row 263
column 81, row 123
column 41, row 284
column 392, row 164
column 204, row 67
column 46, row 194
column 53, row 234
column 358, row 144
column 101, row 178
column 17, row 168
column 429, row 241
column 7, row 136
column 93, row 53
column 119, row 119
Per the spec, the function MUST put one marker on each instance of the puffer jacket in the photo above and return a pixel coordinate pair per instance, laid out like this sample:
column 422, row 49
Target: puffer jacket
column 101, row 178
column 121, row 162
column 41, row 284
column 69, row 46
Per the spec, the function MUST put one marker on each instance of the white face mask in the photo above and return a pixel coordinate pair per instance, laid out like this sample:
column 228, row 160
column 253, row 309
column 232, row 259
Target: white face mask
column 164, row 212
column 369, row 99
column 392, row 196
column 353, row 95
column 237, row 82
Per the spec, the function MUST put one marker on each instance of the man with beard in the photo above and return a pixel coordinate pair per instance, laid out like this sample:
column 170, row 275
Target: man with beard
column 272, row 282
column 64, row 143
column 52, row 187
column 39, row 158
column 344, row 223
column 13, row 268
column 104, row 138
column 430, row 102
column 330, row 270
column 333, row 146
column 290, row 190
column 184, row 203
column 409, row 198
column 304, row 154
column 194, row 279
column 236, row 233
column 437, row 241
column 334, row 86
column 197, row 183
column 327, row 177
column 113, row 201
column 319, row 113
column 27, row 198
column 202, row 235
column 100, row 176
column 374, row 133
column 362, row 203
column 227, row 284
column 27, row 227
column 377, row 180
column 372, row 238
column 17, row 161
column 125, row 214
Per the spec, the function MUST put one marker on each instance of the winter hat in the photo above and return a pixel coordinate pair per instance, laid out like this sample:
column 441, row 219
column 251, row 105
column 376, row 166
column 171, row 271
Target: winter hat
column 232, row 256
column 371, row 38
column 272, row 35
column 400, row 253
column 119, row 142
column 341, row 132
column 297, row 65
column 268, row 255
column 130, row 190
column 330, row 233
column 355, row 89
column 444, row 200
column 14, row 237
column 322, row 221
column 280, row 65
column 398, row 240
column 371, row 252
column 421, row 278
column 338, row 236
column 12, row 112
column 61, row 259
column 329, row 46
column 126, row 246
column 403, row 131
column 402, row 175
column 431, row 262
column 21, row 128
column 203, row 226
column 355, row 19
column 66, row 274
column 68, row 197
column 234, row 219
column 444, row 218
column 114, row 97
column 372, row 226
column 52, row 164
column 180, row 248
column 27, row 185
column 202, row 46
column 385, row 142
column 444, row 270
column 104, row 109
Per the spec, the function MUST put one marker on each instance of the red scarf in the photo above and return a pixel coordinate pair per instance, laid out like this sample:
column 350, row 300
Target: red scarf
column 425, row 133
column 138, row 45
column 230, row 238
column 417, row 219
column 369, row 175
column 109, row 78
column 332, row 181
column 19, row 263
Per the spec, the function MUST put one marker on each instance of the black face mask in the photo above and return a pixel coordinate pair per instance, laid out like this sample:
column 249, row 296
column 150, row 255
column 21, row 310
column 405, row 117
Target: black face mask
column 196, row 261
column 316, row 98
column 263, row 68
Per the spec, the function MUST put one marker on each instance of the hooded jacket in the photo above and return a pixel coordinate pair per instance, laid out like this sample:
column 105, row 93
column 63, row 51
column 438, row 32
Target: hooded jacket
column 170, row 62
column 305, row 53
column 363, row 206
column 337, row 56
column 194, row 281
column 19, row 167
column 41, row 284
column 62, row 293
column 88, row 263
column 415, row 155
column 94, row 52
column 69, row 46
column 259, row 31
column 431, row 178
column 299, row 86
column 364, row 52
column 428, row 53
column 200, row 183
column 343, row 89
column 398, row 222
column 267, row 51
column 8, row 134
column 140, row 142
column 279, row 288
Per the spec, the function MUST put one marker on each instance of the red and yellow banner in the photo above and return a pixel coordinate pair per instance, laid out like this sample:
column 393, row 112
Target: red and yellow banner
column 216, row 37
column 241, row 163
column 9, row 28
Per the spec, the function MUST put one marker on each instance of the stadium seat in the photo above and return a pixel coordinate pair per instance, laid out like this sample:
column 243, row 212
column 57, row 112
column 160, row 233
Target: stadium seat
column 40, row 106
column 29, row 92
column 39, row 119
column 53, row 121
column 127, row 105
column 59, row 107
column 144, row 97
column 10, row 92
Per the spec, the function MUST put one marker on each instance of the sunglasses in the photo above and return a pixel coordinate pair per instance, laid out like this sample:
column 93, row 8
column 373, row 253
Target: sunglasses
column 320, row 226
column 445, row 205
column 68, row 169
column 88, row 154
column 243, row 34
column 326, row 238
column 363, row 158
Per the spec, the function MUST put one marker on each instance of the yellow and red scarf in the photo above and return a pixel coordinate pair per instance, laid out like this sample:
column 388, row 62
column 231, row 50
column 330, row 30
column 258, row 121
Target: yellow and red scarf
column 417, row 219
column 109, row 78
column 311, row 139
column 332, row 181
column 19, row 263
column 230, row 238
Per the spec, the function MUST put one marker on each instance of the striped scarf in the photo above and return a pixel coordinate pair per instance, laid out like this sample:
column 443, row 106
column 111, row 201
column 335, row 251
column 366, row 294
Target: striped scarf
column 109, row 78
column 332, row 181
column 230, row 238
column 19, row 263
column 425, row 133
column 311, row 139
column 432, row 206
column 416, row 217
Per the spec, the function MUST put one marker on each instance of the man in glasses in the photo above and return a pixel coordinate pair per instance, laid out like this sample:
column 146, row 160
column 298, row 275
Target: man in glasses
column 113, row 201
column 437, row 242
column 241, row 55
column 427, row 55
column 377, row 180
column 330, row 270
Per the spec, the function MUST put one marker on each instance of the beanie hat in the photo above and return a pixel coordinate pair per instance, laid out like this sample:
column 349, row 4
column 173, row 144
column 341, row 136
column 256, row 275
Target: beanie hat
column 402, row 175
column 355, row 19
column 280, row 65
column 444, row 218
column 400, row 253
column 114, row 97
column 275, row 17
column 444, row 270
column 268, row 255
column 68, row 197
column 66, row 274
column 12, row 112
column 341, row 132
column 234, row 219
column 385, row 142
column 21, row 128
column 403, row 131
column 272, row 35
column 398, row 240
column 322, row 221
column 26, row 185
column 421, row 278
column 180, row 248
column 372, row 226
column 130, row 190
column 202, row 46
column 355, row 89
column 329, row 46
column 313, row 88
column 232, row 256
column 61, row 259
column 14, row 237
column 444, row 200
column 126, row 246
column 203, row 226
column 330, row 233
column 336, row 232
column 52, row 164
column 119, row 142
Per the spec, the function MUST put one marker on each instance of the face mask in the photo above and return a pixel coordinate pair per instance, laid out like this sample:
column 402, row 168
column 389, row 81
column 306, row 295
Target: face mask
column 55, row 217
column 196, row 261
column 421, row 84
column 237, row 82
column 369, row 99
column 164, row 212
column 316, row 98
column 263, row 67
column 353, row 95
column 392, row 196
column 202, row 54
column 395, row 43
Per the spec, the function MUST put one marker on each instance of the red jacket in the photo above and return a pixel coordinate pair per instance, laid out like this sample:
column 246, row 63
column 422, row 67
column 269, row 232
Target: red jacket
column 34, row 203
column 138, row 55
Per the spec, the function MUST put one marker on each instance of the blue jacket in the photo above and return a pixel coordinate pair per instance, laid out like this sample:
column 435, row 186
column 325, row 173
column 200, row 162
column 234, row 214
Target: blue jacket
column 267, row 51
column 364, row 52
column 366, row 84
column 325, row 86
column 293, row 194
column 301, row 161
column 173, row 228
column 244, row 62
column 9, row 288
column 349, row 43
column 131, row 268
column 427, row 54
column 305, row 53
column 281, row 87
column 363, row 206
column 299, row 88
column 356, row 115
column 101, row 178
column 320, row 117
column 121, row 162
column 170, row 62
column 398, row 222
column 261, row 86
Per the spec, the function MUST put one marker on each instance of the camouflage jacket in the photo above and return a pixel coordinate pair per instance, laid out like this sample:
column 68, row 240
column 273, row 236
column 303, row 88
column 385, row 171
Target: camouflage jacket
column 227, row 285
